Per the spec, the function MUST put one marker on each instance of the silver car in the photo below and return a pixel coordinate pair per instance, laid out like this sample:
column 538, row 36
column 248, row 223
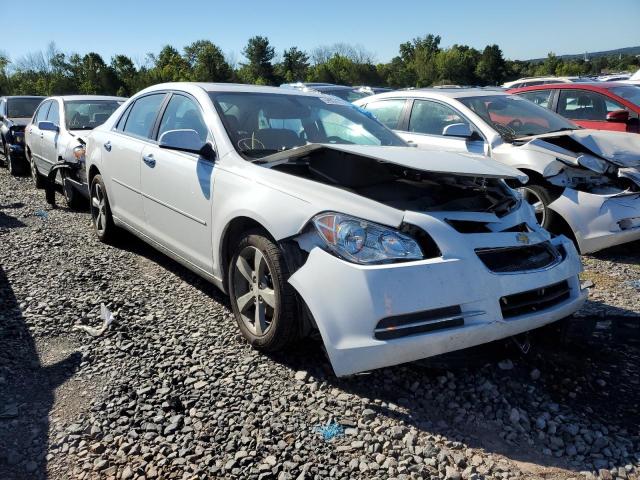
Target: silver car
column 55, row 140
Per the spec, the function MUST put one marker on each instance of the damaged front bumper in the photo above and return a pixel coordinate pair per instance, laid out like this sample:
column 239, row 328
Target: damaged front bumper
column 381, row 315
column 599, row 221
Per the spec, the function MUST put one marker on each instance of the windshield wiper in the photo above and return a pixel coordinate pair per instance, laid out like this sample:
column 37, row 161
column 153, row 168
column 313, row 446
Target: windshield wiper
column 256, row 154
column 563, row 129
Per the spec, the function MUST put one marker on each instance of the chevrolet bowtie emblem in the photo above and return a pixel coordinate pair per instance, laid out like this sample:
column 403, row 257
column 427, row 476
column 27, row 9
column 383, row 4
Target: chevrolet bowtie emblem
column 523, row 238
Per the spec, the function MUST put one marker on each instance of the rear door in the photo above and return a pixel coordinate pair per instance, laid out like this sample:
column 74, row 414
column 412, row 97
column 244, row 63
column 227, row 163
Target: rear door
column 589, row 109
column 122, row 152
column 33, row 138
column 177, row 187
column 426, row 124
column 49, row 142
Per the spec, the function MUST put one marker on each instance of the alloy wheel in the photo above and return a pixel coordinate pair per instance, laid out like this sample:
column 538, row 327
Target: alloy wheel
column 254, row 291
column 98, row 208
column 533, row 199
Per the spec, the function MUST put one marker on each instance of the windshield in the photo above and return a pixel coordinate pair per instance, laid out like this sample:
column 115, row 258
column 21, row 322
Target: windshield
column 513, row 117
column 630, row 93
column 88, row 114
column 260, row 124
column 22, row 107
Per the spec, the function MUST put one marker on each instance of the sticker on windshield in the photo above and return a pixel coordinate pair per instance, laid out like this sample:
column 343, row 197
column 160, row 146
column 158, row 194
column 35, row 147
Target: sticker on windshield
column 333, row 100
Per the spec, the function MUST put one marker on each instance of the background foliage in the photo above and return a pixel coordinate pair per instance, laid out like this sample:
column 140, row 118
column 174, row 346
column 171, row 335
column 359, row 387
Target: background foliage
column 420, row 62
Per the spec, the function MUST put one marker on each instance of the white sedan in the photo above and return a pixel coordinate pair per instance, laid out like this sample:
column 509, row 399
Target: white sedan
column 584, row 183
column 314, row 217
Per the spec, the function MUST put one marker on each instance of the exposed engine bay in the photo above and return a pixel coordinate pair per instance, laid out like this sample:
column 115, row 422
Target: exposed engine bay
column 401, row 187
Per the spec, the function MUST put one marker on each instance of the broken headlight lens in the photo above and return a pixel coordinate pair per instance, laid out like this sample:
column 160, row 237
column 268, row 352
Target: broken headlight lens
column 79, row 152
column 364, row 242
column 593, row 163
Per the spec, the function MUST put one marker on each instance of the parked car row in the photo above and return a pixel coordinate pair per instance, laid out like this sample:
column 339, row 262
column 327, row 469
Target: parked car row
column 319, row 216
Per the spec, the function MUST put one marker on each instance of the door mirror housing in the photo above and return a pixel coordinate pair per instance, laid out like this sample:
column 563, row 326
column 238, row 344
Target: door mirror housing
column 618, row 116
column 457, row 130
column 186, row 140
column 48, row 126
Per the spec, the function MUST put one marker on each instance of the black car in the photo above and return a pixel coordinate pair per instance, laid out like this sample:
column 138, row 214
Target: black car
column 15, row 114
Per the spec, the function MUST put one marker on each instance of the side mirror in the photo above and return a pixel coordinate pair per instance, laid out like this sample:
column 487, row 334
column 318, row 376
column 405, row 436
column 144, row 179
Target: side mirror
column 457, row 130
column 618, row 116
column 186, row 141
column 48, row 126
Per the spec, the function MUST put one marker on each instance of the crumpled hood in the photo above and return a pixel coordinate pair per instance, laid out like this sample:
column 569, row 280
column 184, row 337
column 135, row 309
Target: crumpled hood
column 426, row 160
column 621, row 149
column 20, row 122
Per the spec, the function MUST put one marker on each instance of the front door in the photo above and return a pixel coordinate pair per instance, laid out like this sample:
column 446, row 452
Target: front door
column 49, row 145
column 33, row 135
column 177, row 188
column 426, row 125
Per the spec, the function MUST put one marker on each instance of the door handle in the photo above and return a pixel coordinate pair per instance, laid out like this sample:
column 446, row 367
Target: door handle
column 107, row 146
column 149, row 160
column 42, row 135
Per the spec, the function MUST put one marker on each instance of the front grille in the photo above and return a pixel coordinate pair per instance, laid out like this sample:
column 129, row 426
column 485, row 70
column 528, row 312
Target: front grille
column 420, row 322
column 534, row 300
column 518, row 259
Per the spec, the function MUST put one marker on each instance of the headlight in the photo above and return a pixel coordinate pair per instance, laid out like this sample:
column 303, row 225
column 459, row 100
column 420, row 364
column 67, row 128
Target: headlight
column 364, row 242
column 593, row 163
column 79, row 152
column 18, row 138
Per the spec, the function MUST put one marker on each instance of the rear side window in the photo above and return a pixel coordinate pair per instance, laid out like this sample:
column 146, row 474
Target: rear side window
column 54, row 113
column 388, row 112
column 41, row 114
column 143, row 115
column 539, row 97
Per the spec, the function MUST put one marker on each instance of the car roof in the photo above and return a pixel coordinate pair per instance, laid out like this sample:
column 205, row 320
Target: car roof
column 595, row 85
column 438, row 92
column 21, row 96
column 86, row 97
column 192, row 87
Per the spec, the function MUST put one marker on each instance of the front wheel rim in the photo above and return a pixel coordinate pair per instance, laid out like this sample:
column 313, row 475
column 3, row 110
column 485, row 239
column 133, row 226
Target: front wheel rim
column 254, row 292
column 533, row 199
column 98, row 208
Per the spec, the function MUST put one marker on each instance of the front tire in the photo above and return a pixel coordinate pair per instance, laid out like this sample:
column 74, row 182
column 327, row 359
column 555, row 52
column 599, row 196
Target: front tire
column 262, row 300
column 101, row 211
column 539, row 198
column 15, row 166
column 74, row 199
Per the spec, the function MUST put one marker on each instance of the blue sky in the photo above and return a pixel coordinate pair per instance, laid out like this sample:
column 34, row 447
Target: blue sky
column 136, row 27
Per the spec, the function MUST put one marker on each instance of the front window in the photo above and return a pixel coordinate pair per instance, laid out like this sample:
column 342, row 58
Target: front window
column 88, row 114
column 431, row 118
column 630, row 93
column 22, row 107
column 260, row 124
column 586, row 105
column 513, row 117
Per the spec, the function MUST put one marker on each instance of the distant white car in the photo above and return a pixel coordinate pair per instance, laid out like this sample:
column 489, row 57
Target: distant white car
column 584, row 182
column 314, row 217
column 634, row 79
column 56, row 135
column 531, row 81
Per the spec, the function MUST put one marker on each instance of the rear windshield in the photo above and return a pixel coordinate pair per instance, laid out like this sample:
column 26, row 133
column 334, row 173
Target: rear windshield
column 260, row 124
column 345, row 94
column 630, row 93
column 22, row 107
column 88, row 114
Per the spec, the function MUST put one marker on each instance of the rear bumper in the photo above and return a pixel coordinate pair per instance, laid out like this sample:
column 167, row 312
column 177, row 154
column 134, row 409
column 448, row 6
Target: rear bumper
column 600, row 221
column 348, row 301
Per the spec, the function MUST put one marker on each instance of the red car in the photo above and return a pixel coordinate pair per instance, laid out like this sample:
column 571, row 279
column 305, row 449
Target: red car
column 600, row 105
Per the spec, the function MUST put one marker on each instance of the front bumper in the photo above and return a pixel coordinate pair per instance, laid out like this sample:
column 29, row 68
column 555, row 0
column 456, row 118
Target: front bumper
column 348, row 301
column 599, row 221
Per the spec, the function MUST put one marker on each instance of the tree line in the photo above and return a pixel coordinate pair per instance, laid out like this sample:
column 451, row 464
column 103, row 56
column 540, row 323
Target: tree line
column 420, row 62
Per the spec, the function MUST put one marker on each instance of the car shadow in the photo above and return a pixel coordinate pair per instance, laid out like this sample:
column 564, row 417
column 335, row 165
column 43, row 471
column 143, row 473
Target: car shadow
column 27, row 391
column 625, row 253
column 9, row 221
column 573, row 361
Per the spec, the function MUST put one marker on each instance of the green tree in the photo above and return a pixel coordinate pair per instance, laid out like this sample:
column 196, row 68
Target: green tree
column 294, row 66
column 491, row 69
column 207, row 62
column 5, row 84
column 259, row 68
column 169, row 66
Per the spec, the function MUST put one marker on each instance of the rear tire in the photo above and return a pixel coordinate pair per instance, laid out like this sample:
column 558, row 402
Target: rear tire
column 101, row 211
column 38, row 180
column 263, row 302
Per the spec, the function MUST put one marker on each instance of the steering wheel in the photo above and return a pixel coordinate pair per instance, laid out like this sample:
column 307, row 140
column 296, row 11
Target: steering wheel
column 514, row 124
column 250, row 143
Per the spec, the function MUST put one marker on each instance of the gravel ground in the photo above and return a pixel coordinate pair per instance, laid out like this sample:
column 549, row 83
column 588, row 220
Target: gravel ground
column 172, row 391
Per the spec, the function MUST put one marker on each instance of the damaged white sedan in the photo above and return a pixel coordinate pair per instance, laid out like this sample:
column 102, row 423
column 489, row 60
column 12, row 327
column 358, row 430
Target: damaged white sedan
column 313, row 217
column 584, row 183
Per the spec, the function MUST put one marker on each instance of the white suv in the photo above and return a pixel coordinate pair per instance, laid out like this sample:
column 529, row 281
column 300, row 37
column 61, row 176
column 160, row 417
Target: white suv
column 313, row 216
